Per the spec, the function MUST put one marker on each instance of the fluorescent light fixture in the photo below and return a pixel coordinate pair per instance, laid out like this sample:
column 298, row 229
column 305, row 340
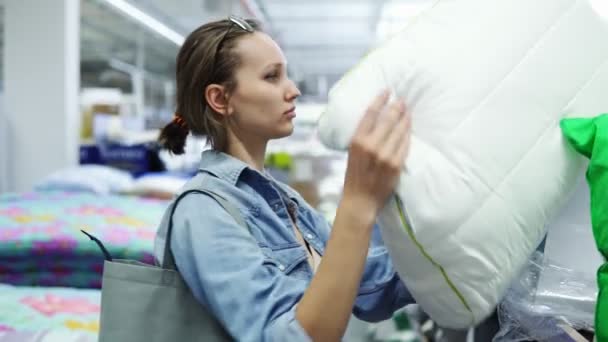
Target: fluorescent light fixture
column 601, row 7
column 147, row 20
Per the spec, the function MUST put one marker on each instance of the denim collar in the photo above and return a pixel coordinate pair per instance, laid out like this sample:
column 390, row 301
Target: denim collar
column 222, row 165
column 230, row 169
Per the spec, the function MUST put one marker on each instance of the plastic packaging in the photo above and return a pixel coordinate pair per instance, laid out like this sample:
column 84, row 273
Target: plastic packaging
column 565, row 303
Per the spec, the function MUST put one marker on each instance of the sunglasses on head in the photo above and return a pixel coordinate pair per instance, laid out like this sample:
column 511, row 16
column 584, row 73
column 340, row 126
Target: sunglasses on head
column 240, row 22
column 234, row 20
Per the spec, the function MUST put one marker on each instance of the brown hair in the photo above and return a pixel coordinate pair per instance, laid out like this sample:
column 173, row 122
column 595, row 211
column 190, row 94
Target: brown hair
column 197, row 67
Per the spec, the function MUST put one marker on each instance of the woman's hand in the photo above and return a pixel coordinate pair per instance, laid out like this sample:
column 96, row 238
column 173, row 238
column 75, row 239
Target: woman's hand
column 377, row 153
column 375, row 158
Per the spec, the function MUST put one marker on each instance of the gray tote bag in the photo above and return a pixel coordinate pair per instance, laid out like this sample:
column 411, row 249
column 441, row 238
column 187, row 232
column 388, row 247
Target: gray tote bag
column 147, row 303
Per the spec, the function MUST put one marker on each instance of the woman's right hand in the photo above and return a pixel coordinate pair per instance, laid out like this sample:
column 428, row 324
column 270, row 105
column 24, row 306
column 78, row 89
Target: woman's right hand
column 376, row 155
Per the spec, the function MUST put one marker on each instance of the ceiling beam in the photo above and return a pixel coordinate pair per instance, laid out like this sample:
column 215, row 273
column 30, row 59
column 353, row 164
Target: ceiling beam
column 156, row 12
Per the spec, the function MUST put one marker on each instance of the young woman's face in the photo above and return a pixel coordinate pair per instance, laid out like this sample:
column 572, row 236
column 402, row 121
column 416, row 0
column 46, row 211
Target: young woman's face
column 263, row 102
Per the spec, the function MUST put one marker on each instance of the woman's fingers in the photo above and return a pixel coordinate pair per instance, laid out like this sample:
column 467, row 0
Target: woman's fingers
column 382, row 138
column 395, row 144
column 404, row 146
column 383, row 131
column 388, row 121
column 369, row 119
column 395, row 138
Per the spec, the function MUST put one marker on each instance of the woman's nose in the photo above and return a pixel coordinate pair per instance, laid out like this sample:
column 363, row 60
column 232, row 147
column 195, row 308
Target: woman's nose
column 292, row 92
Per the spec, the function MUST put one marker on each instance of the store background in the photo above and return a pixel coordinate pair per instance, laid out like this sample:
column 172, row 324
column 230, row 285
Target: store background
column 91, row 82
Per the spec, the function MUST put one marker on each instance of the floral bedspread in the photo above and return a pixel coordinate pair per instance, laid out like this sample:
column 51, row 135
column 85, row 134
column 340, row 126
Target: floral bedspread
column 41, row 242
column 38, row 309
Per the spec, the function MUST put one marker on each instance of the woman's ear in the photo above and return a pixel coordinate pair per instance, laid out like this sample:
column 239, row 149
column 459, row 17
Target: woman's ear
column 217, row 99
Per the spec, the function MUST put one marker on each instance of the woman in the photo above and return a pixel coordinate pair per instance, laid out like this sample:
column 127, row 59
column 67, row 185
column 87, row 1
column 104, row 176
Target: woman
column 296, row 279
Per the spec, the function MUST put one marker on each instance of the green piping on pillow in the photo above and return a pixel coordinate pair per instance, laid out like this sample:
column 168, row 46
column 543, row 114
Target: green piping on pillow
column 447, row 279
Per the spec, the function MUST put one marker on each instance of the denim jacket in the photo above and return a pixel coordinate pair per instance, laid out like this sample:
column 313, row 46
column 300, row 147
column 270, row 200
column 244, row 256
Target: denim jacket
column 252, row 280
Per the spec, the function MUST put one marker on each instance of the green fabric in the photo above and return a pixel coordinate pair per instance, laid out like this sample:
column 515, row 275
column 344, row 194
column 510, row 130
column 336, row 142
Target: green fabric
column 590, row 138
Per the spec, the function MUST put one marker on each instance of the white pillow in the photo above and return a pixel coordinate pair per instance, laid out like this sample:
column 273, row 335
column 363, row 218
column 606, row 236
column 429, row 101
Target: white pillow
column 161, row 185
column 486, row 83
column 97, row 179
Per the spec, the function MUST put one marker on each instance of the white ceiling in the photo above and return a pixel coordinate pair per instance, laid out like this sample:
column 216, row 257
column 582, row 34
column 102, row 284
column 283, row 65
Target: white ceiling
column 322, row 39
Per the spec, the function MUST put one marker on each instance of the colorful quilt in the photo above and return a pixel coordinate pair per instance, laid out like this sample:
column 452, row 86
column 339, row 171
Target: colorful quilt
column 41, row 242
column 25, row 311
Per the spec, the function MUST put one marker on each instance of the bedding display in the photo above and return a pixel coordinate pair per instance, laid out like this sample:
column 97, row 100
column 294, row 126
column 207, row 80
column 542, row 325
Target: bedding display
column 98, row 179
column 104, row 180
column 41, row 242
column 486, row 84
column 33, row 313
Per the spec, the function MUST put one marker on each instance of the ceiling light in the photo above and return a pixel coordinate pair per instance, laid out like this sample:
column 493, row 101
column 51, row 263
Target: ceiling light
column 147, row 20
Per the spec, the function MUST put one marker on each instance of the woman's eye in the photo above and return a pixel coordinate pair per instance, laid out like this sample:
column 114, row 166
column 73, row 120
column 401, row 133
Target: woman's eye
column 272, row 76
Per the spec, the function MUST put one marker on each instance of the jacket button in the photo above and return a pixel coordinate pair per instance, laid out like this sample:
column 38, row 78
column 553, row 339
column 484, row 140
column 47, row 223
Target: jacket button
column 282, row 268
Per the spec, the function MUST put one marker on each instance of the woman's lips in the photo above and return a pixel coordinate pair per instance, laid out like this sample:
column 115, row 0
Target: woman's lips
column 291, row 113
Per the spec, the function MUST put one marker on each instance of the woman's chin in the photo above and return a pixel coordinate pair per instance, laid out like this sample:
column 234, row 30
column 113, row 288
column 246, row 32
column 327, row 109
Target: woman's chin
column 284, row 130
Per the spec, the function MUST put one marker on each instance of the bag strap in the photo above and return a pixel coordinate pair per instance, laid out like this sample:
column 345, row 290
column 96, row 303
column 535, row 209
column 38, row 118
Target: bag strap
column 168, row 259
